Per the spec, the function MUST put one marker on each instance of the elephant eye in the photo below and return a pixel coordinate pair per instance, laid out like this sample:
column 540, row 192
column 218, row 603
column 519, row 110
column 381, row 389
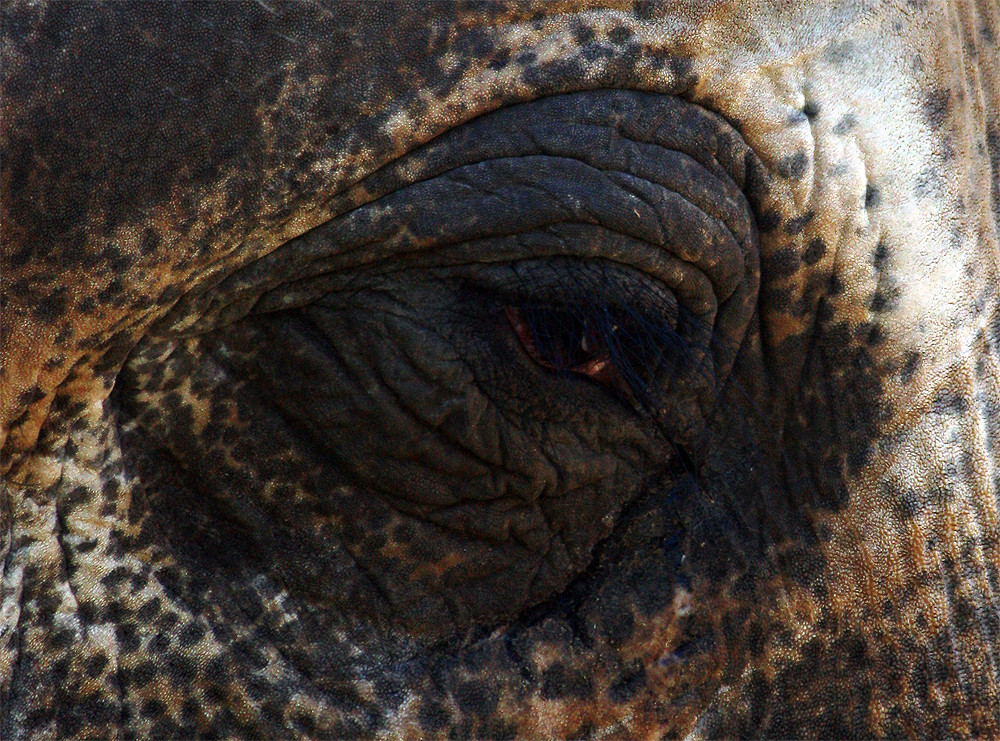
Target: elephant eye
column 615, row 346
column 561, row 341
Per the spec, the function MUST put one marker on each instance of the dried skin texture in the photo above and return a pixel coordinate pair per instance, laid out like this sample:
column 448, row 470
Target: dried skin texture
column 274, row 464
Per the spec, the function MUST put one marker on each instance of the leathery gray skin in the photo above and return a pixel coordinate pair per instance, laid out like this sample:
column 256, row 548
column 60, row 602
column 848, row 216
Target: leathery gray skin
column 276, row 462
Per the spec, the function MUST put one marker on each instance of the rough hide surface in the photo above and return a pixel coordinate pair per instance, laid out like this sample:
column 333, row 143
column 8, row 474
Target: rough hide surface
column 500, row 369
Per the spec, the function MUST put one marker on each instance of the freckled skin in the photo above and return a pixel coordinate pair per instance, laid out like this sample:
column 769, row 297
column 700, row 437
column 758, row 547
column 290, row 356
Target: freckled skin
column 275, row 465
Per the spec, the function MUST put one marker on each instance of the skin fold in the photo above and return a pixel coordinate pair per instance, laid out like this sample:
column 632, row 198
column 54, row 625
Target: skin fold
column 500, row 370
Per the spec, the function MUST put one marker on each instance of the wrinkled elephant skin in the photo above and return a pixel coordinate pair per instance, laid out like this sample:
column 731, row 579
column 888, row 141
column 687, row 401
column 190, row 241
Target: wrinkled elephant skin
column 500, row 369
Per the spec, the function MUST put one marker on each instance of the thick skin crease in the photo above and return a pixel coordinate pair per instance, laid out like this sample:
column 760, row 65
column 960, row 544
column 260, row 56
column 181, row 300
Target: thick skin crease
column 277, row 461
